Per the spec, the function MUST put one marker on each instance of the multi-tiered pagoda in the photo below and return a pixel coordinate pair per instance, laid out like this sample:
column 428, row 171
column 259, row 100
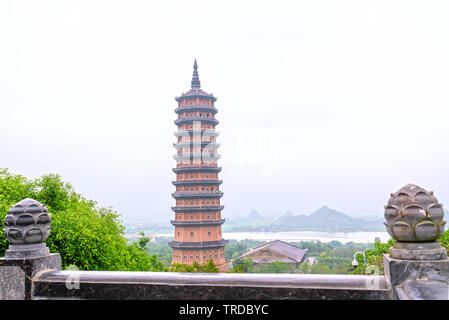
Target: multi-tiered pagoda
column 198, row 219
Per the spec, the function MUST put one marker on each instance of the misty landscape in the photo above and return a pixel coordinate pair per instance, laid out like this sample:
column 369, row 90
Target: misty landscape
column 300, row 137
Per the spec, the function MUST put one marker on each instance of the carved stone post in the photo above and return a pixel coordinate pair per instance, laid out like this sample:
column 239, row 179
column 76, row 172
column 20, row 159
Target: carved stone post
column 27, row 226
column 417, row 266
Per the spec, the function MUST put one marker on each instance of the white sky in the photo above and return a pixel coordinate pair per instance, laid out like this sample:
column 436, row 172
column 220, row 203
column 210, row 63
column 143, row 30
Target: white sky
column 320, row 102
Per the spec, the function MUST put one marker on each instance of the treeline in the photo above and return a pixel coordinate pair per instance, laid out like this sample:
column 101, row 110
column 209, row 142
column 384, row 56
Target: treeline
column 331, row 257
column 85, row 234
column 92, row 237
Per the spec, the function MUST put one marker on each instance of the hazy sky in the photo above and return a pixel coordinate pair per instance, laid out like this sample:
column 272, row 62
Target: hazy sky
column 320, row 102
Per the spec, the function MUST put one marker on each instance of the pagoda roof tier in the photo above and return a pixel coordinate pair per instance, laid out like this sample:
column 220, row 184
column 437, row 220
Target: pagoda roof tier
column 195, row 93
column 198, row 245
column 197, row 223
column 190, row 132
column 195, row 143
column 196, row 182
column 199, row 209
column 201, row 168
column 196, row 107
column 180, row 121
column 197, row 194
column 197, row 155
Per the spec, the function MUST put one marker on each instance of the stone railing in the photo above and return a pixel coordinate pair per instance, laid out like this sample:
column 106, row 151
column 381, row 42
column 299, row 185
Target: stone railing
column 226, row 286
column 417, row 267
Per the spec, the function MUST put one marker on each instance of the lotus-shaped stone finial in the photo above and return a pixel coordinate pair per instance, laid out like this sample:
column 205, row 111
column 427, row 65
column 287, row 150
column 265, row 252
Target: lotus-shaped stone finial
column 414, row 215
column 27, row 222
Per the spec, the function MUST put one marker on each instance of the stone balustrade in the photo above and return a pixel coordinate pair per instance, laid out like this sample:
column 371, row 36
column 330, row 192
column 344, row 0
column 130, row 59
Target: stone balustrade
column 417, row 267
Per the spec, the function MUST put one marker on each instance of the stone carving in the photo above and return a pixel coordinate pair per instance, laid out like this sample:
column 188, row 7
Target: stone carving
column 27, row 222
column 27, row 226
column 414, row 215
column 415, row 220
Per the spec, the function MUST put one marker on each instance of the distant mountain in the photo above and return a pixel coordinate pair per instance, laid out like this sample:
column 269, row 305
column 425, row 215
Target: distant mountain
column 254, row 215
column 326, row 219
column 288, row 214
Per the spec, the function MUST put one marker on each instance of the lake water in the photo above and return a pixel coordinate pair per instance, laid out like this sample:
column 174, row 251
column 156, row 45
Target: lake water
column 296, row 236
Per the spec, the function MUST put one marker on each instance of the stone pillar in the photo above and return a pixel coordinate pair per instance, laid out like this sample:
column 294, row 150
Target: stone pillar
column 27, row 226
column 417, row 266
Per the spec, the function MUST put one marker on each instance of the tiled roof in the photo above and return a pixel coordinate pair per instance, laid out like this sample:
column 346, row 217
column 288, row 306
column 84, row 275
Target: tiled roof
column 196, row 92
column 284, row 248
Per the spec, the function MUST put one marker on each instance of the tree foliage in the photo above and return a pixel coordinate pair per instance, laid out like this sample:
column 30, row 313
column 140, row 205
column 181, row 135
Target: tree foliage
column 207, row 267
column 374, row 259
column 84, row 234
column 445, row 240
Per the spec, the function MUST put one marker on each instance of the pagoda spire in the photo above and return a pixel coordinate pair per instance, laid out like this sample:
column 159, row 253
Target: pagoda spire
column 195, row 78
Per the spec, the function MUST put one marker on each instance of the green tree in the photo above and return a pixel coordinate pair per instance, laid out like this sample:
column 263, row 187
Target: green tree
column 207, row 267
column 374, row 258
column 83, row 233
column 445, row 240
column 305, row 267
column 237, row 269
column 143, row 240
column 246, row 265
column 274, row 267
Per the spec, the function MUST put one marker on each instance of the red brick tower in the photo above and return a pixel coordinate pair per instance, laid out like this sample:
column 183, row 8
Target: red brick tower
column 198, row 219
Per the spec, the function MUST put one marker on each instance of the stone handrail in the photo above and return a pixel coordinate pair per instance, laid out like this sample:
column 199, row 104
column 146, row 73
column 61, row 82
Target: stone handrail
column 209, row 286
column 416, row 268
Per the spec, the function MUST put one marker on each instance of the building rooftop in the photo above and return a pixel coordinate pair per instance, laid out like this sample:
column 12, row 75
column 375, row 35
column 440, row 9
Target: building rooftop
column 287, row 250
column 195, row 90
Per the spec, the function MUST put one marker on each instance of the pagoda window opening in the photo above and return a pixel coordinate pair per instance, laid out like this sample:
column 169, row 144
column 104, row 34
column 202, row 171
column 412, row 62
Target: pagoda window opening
column 191, row 258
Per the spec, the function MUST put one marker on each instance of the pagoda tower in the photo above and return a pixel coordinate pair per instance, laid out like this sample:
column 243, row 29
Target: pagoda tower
column 198, row 218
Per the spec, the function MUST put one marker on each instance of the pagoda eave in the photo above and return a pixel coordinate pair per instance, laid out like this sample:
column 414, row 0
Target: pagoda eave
column 198, row 245
column 197, row 209
column 197, row 168
column 194, row 195
column 196, row 108
column 192, row 119
column 191, row 132
column 196, row 182
column 197, row 223
column 195, row 96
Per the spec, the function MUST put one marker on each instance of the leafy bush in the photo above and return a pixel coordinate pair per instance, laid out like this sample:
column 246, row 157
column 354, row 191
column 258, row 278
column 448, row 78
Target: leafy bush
column 208, row 267
column 445, row 240
column 84, row 234
column 374, row 258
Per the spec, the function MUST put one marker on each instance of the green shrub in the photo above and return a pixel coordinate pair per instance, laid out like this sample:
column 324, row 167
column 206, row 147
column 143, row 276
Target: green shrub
column 84, row 234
